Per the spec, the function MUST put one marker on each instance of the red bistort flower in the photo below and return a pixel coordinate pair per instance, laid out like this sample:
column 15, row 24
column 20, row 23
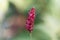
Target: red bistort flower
column 30, row 20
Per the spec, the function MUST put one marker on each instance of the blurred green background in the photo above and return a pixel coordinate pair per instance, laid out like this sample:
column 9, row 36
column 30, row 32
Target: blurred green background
column 23, row 6
column 43, row 7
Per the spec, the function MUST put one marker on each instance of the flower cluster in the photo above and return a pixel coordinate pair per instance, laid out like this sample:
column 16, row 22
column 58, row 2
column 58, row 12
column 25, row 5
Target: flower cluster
column 30, row 20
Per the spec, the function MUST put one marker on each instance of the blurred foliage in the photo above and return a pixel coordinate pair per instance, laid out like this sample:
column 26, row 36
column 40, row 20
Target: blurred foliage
column 23, row 7
column 40, row 35
column 40, row 6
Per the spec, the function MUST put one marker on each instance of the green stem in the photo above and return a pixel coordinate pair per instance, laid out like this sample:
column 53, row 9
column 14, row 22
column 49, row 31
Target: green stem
column 30, row 36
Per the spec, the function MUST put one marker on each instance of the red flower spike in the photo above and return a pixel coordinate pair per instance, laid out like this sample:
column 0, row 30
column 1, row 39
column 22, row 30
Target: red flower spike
column 30, row 20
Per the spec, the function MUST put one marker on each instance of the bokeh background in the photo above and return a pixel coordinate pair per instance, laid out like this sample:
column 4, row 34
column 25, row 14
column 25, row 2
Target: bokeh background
column 47, row 21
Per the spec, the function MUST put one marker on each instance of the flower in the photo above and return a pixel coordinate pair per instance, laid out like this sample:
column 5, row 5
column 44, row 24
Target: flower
column 30, row 20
